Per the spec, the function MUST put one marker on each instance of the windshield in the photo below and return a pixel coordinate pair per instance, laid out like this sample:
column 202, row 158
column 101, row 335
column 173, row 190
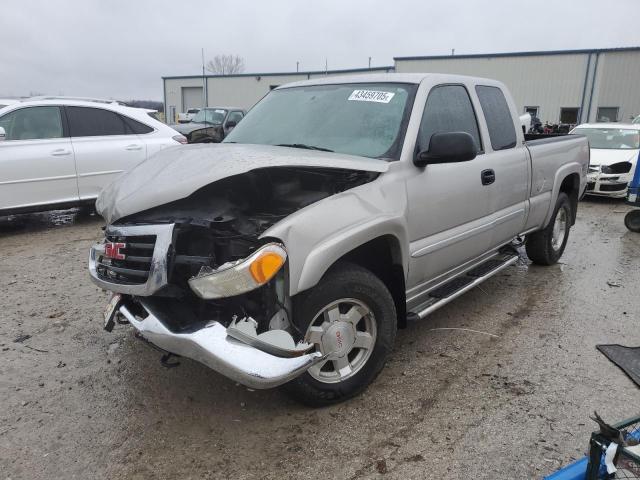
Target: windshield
column 611, row 138
column 358, row 119
column 636, row 120
column 211, row 116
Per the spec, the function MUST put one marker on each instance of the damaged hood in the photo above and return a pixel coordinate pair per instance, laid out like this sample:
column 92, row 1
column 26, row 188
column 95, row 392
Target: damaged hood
column 601, row 156
column 187, row 128
column 176, row 173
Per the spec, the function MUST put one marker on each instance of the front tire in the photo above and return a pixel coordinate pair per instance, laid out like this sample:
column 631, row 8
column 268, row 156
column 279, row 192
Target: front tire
column 545, row 247
column 351, row 316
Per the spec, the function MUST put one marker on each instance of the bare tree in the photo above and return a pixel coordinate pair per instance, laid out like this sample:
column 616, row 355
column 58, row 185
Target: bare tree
column 226, row 64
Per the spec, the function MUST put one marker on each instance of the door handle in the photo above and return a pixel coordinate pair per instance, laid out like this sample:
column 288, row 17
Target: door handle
column 133, row 147
column 488, row 176
column 61, row 152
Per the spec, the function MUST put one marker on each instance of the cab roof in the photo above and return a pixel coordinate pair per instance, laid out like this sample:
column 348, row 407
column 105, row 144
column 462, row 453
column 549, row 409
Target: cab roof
column 413, row 78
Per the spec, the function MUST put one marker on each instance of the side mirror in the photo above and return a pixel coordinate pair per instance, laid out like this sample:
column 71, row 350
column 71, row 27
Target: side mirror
column 448, row 148
column 231, row 123
column 3, row 134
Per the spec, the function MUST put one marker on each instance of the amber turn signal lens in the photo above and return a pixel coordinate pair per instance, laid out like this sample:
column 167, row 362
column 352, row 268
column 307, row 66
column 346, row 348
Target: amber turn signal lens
column 265, row 267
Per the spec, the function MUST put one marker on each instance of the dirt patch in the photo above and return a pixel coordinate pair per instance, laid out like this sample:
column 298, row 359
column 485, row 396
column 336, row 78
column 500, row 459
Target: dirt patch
column 81, row 403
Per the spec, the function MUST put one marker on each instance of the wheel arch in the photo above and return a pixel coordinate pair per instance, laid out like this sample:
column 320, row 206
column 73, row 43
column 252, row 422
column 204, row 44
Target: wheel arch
column 384, row 257
column 571, row 187
column 567, row 180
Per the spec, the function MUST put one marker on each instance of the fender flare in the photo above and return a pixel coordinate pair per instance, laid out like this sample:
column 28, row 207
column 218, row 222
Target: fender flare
column 562, row 173
column 326, row 254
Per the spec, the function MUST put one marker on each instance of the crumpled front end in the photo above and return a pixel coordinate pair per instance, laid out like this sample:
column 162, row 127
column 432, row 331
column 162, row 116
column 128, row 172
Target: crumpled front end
column 212, row 346
column 142, row 265
column 609, row 180
column 197, row 278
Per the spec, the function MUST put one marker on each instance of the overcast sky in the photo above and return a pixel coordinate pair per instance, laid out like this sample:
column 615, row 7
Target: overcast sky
column 121, row 48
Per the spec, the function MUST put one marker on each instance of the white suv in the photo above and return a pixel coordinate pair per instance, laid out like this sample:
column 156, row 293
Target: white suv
column 58, row 152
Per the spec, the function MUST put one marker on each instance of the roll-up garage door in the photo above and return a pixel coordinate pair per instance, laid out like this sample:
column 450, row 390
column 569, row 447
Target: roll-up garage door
column 191, row 98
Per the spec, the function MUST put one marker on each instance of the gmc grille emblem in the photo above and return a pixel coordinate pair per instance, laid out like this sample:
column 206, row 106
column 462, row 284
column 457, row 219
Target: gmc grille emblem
column 112, row 250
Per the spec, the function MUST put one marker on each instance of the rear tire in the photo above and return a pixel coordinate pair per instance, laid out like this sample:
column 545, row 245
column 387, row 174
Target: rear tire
column 352, row 314
column 545, row 247
column 632, row 221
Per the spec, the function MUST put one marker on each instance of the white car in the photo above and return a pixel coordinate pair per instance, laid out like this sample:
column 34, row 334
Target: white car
column 59, row 152
column 614, row 156
column 188, row 115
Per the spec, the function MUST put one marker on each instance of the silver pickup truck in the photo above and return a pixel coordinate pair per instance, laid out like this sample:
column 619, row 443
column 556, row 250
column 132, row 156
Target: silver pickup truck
column 338, row 209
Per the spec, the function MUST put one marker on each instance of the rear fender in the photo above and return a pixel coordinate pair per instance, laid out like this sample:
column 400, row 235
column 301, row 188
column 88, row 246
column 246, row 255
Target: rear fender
column 562, row 173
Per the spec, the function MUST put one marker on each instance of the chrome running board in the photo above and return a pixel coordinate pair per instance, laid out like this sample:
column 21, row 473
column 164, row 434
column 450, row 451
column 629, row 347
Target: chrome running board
column 461, row 284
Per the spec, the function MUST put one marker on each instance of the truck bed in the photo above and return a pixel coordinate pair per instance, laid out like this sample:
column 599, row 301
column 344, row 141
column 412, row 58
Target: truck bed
column 553, row 157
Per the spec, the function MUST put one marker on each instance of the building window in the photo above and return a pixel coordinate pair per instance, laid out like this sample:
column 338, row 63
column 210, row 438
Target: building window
column 569, row 115
column 533, row 111
column 607, row 114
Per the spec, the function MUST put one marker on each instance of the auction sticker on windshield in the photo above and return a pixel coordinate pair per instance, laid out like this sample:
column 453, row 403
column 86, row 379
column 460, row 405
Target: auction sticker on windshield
column 371, row 96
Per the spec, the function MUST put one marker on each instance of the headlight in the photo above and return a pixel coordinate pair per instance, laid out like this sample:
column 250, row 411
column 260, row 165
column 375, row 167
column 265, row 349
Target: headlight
column 620, row 167
column 235, row 278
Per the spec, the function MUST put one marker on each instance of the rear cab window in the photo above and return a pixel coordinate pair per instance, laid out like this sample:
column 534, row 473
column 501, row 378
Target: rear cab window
column 502, row 132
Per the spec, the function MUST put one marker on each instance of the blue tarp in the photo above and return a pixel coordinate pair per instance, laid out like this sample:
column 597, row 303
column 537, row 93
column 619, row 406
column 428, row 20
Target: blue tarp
column 574, row 471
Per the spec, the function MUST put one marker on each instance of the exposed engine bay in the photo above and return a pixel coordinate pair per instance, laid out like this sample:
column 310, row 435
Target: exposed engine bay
column 222, row 223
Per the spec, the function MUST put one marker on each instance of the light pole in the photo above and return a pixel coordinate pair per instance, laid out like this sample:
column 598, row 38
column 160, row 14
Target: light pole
column 204, row 83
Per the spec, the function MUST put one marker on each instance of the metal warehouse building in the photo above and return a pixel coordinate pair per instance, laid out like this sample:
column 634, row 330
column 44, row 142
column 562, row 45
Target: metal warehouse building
column 570, row 86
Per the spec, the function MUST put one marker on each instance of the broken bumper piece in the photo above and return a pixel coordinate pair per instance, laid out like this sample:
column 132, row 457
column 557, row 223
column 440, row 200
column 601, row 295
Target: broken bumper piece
column 212, row 347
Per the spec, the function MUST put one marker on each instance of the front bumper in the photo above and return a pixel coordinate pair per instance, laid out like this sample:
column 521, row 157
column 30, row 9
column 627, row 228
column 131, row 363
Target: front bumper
column 609, row 185
column 212, row 347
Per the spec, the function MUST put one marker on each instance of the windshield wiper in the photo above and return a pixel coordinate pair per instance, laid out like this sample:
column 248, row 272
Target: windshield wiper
column 302, row 145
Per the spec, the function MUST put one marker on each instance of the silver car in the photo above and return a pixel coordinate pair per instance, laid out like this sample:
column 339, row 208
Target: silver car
column 336, row 210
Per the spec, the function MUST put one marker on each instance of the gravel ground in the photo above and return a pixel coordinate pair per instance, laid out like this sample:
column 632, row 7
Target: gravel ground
column 78, row 402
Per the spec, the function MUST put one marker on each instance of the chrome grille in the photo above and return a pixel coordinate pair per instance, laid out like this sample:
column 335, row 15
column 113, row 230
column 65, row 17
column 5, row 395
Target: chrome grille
column 132, row 259
column 133, row 268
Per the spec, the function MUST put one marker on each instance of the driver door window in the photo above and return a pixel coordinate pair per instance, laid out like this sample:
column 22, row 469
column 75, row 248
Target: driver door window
column 33, row 123
column 448, row 109
column 235, row 117
column 232, row 120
